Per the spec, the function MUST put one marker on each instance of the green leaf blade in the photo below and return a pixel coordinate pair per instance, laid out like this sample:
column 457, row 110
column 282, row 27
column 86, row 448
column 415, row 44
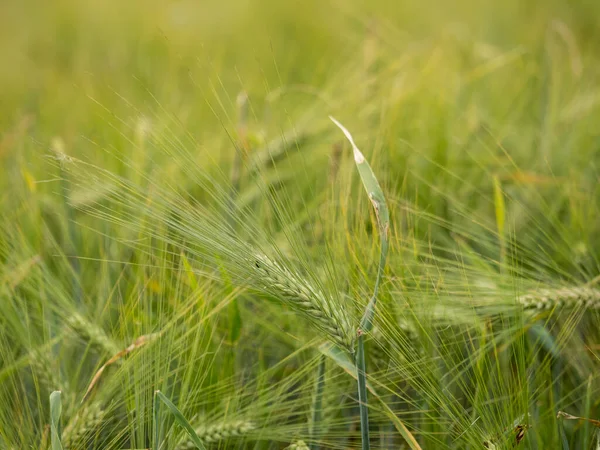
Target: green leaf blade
column 55, row 413
column 377, row 198
column 181, row 420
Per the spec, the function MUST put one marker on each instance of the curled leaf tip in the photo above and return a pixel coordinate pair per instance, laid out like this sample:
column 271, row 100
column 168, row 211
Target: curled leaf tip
column 358, row 156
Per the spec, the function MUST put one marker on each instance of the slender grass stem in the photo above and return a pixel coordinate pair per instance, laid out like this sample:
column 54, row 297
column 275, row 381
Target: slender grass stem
column 156, row 424
column 362, row 391
column 317, row 410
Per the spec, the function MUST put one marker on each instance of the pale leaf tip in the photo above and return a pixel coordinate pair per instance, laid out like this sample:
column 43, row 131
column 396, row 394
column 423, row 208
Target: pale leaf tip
column 358, row 156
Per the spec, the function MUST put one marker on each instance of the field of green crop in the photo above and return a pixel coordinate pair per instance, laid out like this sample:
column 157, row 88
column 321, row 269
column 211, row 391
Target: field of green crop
column 273, row 225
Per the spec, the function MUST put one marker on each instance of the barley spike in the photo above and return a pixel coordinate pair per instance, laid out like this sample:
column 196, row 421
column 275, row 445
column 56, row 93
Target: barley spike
column 305, row 298
column 584, row 297
column 218, row 432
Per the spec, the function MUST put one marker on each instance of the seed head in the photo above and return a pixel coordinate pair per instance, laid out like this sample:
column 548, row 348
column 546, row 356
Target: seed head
column 583, row 297
column 305, row 298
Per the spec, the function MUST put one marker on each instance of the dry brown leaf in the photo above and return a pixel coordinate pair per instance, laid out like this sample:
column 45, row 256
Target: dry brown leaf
column 567, row 416
column 139, row 342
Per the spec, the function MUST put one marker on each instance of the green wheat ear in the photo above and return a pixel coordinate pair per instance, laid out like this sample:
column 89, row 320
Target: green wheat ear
column 297, row 445
column 217, row 432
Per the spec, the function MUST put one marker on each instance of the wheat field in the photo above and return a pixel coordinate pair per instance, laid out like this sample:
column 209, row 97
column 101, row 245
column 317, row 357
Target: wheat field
column 299, row 225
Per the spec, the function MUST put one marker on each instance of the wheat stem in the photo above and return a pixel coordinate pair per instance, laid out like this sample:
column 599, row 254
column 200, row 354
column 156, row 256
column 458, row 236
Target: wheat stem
column 361, row 373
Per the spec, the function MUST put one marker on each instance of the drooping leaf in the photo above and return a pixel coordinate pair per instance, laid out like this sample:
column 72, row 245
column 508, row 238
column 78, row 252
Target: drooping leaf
column 180, row 419
column 500, row 208
column 377, row 198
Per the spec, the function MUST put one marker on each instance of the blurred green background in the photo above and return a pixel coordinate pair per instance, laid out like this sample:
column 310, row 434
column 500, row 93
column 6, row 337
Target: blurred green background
column 455, row 105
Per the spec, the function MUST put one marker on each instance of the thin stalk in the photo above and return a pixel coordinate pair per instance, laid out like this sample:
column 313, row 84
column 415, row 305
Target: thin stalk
column 156, row 431
column 361, row 373
column 366, row 322
column 317, row 412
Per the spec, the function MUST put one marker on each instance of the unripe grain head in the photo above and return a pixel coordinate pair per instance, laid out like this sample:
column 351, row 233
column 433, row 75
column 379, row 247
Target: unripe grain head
column 302, row 296
column 570, row 297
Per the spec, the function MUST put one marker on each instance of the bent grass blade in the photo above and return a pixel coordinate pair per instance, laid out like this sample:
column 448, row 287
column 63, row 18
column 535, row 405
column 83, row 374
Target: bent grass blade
column 179, row 418
column 55, row 412
column 377, row 198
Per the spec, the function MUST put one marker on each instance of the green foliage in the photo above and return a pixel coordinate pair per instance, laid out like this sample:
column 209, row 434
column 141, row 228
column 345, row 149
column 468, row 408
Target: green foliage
column 154, row 152
column 366, row 323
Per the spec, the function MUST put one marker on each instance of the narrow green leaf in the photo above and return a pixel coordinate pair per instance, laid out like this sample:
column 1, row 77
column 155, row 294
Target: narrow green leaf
column 55, row 428
column 540, row 334
column 156, row 422
column 317, row 406
column 563, row 436
column 589, row 394
column 499, row 206
column 341, row 358
column 181, row 421
column 377, row 198
column 189, row 271
column 235, row 321
column 361, row 372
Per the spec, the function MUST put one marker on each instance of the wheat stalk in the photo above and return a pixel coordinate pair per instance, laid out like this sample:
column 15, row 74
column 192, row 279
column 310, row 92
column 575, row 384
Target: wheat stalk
column 305, row 298
column 568, row 297
column 218, row 432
